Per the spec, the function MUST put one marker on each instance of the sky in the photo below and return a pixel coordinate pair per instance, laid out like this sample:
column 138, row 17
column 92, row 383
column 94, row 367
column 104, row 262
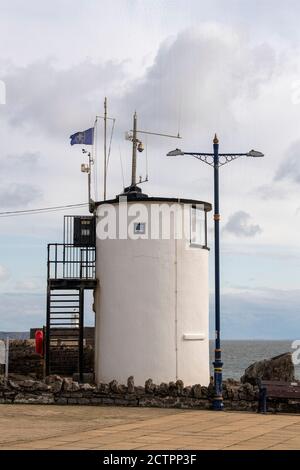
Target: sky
column 197, row 67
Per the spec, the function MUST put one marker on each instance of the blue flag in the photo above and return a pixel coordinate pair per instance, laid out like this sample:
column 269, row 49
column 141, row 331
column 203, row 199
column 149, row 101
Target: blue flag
column 83, row 138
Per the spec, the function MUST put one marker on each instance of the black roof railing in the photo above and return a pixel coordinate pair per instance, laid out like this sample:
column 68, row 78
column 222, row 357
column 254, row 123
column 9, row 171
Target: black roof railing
column 67, row 261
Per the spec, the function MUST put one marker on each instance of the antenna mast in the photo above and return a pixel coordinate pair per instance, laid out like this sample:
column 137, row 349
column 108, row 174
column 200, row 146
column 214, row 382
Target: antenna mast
column 137, row 144
column 105, row 154
column 134, row 145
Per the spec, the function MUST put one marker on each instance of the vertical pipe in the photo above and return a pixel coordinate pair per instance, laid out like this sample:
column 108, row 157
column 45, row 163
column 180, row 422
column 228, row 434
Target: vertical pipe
column 134, row 146
column 7, row 358
column 47, row 342
column 105, row 154
column 218, row 398
column 89, row 181
column 55, row 260
column 81, row 327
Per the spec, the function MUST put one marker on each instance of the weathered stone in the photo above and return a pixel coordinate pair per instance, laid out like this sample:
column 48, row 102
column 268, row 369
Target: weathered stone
column 13, row 385
column 60, row 401
column 108, row 401
column 149, row 386
column 102, row 388
column 204, row 391
column 187, row 391
column 113, row 386
column 246, row 392
column 87, row 387
column 173, row 389
column 29, row 384
column 139, row 390
column 96, row 401
column 40, row 399
column 179, row 387
column 130, row 384
column 197, row 393
column 163, row 389
column 55, row 382
column 87, row 377
column 277, row 368
column 70, row 386
column 42, row 387
column 211, row 389
column 83, row 401
column 122, row 389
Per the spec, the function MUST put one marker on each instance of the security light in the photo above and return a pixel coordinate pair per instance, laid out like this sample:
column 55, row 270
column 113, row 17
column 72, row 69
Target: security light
column 254, row 153
column 175, row 153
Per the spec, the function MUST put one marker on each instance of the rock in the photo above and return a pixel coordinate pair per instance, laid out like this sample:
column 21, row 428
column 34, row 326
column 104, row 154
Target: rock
column 277, row 368
column 113, row 386
column 103, row 388
column 87, row 387
column 55, row 382
column 187, row 391
column 130, row 384
column 179, row 387
column 87, row 377
column 172, row 389
column 149, row 386
column 197, row 393
column 28, row 384
column 26, row 398
column 122, row 389
column 163, row 389
column 13, row 385
column 211, row 388
column 70, row 386
column 246, row 392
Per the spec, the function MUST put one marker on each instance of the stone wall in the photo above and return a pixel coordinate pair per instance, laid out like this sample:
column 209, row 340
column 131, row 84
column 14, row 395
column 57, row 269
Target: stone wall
column 23, row 359
column 64, row 391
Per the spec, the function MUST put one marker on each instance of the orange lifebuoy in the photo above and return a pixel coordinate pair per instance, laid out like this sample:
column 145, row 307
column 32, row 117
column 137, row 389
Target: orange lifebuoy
column 39, row 342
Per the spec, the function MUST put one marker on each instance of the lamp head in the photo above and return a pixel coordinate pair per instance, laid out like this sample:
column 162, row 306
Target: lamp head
column 175, row 153
column 255, row 154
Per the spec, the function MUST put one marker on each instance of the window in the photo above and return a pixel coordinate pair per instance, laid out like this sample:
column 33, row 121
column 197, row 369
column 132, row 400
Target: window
column 140, row 228
column 198, row 227
column 85, row 232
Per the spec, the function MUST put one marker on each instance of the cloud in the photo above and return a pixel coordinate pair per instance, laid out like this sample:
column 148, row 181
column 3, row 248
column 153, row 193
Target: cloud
column 27, row 162
column 4, row 273
column 270, row 192
column 289, row 168
column 18, row 195
column 194, row 75
column 197, row 74
column 259, row 314
column 238, row 224
column 41, row 96
column 27, row 285
column 21, row 311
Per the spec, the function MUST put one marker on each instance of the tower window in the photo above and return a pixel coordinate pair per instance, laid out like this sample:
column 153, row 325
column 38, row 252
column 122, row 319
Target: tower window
column 140, row 228
column 198, row 227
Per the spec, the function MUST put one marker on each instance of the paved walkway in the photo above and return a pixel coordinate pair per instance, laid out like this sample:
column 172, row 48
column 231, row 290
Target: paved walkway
column 79, row 427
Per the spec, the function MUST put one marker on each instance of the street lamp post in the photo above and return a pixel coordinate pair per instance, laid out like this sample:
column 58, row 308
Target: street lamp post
column 216, row 160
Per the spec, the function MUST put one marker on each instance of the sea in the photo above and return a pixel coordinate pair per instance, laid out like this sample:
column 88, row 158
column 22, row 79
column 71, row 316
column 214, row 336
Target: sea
column 237, row 355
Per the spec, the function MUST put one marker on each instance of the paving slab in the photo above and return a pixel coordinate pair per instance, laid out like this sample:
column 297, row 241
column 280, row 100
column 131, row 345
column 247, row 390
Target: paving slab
column 117, row 428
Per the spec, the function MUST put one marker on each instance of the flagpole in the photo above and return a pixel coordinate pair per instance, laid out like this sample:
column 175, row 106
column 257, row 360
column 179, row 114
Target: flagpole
column 105, row 156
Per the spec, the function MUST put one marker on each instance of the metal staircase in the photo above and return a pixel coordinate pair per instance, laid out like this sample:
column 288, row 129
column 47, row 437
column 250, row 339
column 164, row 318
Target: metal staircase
column 71, row 270
column 65, row 321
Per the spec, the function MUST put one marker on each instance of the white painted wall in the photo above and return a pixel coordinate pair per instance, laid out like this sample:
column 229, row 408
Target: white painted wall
column 151, row 310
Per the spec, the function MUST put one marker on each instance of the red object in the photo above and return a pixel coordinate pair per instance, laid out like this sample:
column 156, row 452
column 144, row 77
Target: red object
column 39, row 342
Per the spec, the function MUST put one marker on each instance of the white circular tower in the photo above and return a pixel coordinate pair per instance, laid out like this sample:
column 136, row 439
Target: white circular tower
column 151, row 303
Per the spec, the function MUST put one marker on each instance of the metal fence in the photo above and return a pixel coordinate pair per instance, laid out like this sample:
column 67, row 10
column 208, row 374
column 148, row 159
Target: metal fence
column 66, row 261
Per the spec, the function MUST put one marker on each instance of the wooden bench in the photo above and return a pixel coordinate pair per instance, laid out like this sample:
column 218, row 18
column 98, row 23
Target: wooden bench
column 276, row 390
